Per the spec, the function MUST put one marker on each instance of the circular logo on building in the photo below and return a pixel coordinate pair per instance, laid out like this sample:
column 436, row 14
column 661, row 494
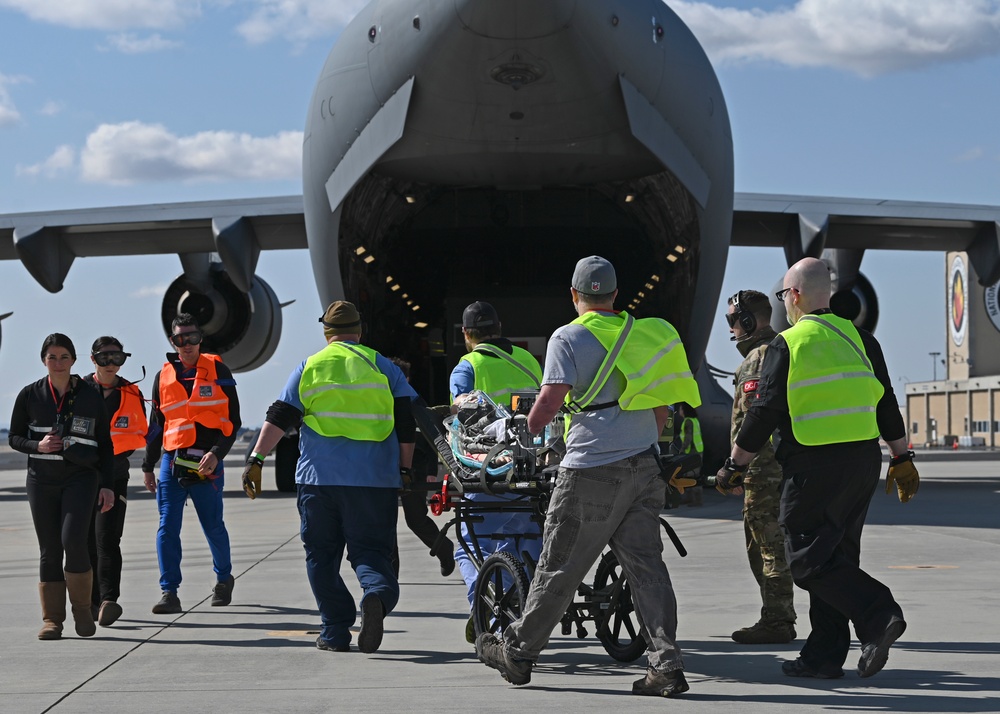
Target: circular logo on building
column 958, row 301
column 991, row 296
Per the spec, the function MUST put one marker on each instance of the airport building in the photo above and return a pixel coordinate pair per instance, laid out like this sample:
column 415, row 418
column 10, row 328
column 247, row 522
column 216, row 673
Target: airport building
column 964, row 407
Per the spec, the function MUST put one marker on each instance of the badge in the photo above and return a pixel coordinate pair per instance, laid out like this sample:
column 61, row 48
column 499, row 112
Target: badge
column 205, row 391
column 80, row 425
column 750, row 386
column 121, row 422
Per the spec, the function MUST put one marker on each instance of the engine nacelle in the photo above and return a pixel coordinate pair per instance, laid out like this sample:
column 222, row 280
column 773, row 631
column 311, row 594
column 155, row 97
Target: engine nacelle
column 859, row 304
column 242, row 328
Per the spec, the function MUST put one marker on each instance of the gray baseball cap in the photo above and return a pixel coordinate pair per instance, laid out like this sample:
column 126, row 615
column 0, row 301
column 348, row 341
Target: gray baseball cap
column 595, row 276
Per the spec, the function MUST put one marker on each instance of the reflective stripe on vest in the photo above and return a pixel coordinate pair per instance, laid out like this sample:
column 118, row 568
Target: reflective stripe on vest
column 207, row 405
column 499, row 377
column 343, row 393
column 832, row 390
column 128, row 425
column 650, row 355
column 696, row 441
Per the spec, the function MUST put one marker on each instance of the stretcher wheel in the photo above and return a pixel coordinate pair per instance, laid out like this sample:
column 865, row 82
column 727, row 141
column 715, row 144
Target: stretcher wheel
column 614, row 613
column 500, row 593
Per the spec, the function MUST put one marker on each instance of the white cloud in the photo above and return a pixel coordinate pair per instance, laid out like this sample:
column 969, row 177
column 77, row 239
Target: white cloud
column 131, row 44
column 868, row 37
column 9, row 115
column 298, row 20
column 149, row 291
column 134, row 152
column 973, row 154
column 62, row 161
column 108, row 14
column 51, row 108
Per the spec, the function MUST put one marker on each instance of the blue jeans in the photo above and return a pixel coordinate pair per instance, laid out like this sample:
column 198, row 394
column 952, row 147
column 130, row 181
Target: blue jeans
column 617, row 504
column 362, row 519
column 171, row 498
column 508, row 526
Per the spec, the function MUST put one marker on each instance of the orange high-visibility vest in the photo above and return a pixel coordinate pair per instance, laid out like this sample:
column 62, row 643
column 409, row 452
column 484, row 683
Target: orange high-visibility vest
column 128, row 425
column 208, row 405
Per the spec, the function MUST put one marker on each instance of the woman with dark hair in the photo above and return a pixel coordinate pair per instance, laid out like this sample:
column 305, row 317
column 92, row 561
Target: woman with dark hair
column 61, row 424
column 127, row 413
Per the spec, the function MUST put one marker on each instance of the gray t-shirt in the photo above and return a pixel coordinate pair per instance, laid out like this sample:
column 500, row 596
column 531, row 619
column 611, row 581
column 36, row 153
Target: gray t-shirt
column 603, row 436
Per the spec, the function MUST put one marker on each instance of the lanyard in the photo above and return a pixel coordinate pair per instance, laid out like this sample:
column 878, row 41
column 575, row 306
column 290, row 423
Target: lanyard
column 58, row 401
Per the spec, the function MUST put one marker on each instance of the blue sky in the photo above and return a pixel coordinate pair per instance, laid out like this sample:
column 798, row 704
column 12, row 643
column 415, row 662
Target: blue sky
column 113, row 102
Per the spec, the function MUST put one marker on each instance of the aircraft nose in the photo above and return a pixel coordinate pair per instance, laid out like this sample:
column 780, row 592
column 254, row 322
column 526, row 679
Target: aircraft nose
column 515, row 19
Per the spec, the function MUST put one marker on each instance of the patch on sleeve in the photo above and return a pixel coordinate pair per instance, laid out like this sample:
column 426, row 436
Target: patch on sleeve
column 750, row 386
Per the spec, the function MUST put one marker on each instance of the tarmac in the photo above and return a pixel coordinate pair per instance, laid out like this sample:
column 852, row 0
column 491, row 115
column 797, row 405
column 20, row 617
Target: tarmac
column 937, row 553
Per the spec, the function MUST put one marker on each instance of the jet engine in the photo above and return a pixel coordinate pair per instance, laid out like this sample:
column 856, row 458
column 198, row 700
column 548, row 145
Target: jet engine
column 242, row 328
column 858, row 303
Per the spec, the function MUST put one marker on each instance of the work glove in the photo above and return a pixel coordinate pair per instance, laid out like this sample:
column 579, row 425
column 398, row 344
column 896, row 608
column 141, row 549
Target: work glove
column 729, row 477
column 679, row 483
column 905, row 476
column 251, row 476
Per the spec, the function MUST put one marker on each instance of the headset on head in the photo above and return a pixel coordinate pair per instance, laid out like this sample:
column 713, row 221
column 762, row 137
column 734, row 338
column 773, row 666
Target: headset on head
column 746, row 318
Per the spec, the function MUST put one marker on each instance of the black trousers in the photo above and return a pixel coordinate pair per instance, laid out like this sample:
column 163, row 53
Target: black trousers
column 824, row 503
column 423, row 526
column 62, row 510
column 104, row 545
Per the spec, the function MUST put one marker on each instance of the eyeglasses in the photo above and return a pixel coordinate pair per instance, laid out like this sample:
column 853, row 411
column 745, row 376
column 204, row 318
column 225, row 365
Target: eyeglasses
column 117, row 358
column 782, row 293
column 186, row 338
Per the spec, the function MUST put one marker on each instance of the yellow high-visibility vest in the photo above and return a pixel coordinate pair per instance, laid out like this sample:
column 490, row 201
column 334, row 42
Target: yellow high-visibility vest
column 500, row 375
column 344, row 394
column 832, row 390
column 649, row 353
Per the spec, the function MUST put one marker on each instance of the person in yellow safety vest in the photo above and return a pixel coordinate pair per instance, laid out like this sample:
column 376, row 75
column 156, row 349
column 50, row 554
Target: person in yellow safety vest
column 195, row 416
column 498, row 367
column 690, row 430
column 825, row 386
column 356, row 439
column 617, row 376
column 127, row 411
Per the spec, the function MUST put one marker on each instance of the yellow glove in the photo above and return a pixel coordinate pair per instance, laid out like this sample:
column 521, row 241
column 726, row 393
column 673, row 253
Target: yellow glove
column 679, row 484
column 902, row 472
column 251, row 476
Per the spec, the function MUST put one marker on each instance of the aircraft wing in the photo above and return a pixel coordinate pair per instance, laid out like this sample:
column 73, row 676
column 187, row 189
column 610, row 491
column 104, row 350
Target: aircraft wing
column 47, row 242
column 808, row 225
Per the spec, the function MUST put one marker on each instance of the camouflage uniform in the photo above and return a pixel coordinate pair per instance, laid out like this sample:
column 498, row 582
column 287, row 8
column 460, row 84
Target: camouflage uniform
column 762, row 491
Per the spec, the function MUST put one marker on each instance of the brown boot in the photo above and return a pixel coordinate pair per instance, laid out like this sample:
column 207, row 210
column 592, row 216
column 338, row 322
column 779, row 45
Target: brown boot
column 79, row 587
column 53, row 597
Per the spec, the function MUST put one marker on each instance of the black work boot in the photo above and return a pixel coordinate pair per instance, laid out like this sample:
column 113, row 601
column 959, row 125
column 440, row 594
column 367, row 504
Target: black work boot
column 222, row 593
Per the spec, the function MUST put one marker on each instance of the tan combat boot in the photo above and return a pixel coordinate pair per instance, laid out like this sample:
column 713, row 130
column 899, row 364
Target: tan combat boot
column 53, row 597
column 79, row 586
column 765, row 633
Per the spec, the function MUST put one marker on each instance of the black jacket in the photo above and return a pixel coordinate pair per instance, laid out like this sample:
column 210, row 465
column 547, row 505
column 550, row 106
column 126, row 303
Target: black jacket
column 83, row 414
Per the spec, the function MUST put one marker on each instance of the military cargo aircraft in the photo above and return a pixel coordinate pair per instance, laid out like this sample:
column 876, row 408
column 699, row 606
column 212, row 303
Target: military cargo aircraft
column 476, row 149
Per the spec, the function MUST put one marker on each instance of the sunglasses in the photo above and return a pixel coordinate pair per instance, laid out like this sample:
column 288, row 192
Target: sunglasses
column 187, row 338
column 731, row 318
column 782, row 293
column 117, row 358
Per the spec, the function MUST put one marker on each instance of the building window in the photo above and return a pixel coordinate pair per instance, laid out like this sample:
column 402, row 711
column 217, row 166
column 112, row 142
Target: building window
column 980, row 426
column 996, row 426
column 915, row 430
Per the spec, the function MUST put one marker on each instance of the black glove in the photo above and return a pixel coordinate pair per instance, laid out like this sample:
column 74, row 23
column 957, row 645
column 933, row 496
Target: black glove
column 251, row 476
column 407, row 476
column 729, row 477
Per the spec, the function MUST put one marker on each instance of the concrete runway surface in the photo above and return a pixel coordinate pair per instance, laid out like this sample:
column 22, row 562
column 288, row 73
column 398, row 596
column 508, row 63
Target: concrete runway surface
column 938, row 553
